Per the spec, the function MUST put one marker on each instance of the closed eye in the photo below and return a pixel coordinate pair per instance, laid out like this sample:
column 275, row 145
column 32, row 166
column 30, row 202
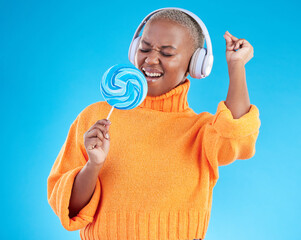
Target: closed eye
column 163, row 54
column 142, row 50
column 166, row 55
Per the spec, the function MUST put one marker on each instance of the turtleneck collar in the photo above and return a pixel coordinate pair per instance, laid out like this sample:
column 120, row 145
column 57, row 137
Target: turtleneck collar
column 173, row 101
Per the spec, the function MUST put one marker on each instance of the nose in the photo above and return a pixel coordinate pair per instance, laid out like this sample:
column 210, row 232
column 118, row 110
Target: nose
column 152, row 58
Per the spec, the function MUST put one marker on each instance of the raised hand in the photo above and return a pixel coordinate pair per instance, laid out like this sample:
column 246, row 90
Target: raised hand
column 237, row 49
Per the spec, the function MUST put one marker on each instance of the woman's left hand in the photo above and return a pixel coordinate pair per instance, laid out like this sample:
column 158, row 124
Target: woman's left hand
column 237, row 49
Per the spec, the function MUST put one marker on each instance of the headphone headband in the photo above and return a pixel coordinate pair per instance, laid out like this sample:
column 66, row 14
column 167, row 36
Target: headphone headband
column 195, row 17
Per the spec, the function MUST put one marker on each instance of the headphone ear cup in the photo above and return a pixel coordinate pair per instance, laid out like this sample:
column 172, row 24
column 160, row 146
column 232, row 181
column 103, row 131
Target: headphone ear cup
column 196, row 63
column 207, row 66
column 133, row 49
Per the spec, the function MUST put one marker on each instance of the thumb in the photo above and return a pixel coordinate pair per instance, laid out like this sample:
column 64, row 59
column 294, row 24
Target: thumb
column 106, row 144
column 229, row 42
column 106, row 140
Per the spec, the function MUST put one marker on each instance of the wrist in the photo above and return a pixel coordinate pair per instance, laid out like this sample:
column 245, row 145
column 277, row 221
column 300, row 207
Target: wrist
column 93, row 165
column 236, row 63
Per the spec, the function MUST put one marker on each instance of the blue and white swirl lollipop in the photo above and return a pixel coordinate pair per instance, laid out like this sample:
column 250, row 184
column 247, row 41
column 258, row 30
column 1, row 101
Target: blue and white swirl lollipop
column 123, row 86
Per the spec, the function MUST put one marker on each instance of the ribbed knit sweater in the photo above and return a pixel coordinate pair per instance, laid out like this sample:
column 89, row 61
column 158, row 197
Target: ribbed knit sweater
column 158, row 178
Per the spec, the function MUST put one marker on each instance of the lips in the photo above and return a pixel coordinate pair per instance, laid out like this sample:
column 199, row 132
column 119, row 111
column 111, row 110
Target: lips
column 152, row 70
column 152, row 74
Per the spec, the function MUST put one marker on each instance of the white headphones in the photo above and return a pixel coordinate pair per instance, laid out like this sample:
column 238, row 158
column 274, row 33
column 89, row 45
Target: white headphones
column 202, row 59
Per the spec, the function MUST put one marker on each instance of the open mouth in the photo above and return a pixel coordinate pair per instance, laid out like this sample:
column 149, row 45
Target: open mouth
column 151, row 76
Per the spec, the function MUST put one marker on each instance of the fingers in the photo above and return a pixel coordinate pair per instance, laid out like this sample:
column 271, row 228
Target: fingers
column 93, row 143
column 234, row 43
column 102, row 122
column 95, row 135
column 102, row 125
column 232, row 37
column 229, row 43
column 239, row 43
column 96, row 132
column 103, row 128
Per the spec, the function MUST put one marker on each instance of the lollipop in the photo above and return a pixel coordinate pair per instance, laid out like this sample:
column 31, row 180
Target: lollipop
column 123, row 86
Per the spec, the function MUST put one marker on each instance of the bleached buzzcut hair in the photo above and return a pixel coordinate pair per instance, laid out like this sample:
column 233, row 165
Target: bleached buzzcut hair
column 185, row 20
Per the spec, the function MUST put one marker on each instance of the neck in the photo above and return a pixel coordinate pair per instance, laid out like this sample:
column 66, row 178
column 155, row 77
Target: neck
column 173, row 101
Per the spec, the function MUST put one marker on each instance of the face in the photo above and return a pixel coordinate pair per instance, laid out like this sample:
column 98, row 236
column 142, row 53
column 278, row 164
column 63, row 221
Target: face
column 163, row 55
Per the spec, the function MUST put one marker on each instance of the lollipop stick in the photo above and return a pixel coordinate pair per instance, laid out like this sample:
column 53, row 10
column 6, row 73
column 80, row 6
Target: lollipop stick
column 110, row 113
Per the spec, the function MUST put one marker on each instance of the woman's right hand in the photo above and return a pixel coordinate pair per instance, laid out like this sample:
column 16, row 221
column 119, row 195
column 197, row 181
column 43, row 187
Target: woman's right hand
column 97, row 141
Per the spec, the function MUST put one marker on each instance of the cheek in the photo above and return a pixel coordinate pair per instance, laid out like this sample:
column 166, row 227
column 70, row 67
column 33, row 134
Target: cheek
column 174, row 66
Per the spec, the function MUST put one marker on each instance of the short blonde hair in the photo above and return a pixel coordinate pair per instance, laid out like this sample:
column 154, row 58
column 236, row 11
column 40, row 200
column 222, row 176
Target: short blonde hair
column 185, row 20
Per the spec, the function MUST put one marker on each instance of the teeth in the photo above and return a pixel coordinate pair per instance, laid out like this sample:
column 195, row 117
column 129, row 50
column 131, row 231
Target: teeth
column 152, row 74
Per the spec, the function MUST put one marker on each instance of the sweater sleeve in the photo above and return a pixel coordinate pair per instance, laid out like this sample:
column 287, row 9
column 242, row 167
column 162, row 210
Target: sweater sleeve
column 70, row 160
column 227, row 139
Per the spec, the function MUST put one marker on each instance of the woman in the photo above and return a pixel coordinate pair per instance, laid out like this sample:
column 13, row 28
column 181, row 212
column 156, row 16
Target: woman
column 152, row 175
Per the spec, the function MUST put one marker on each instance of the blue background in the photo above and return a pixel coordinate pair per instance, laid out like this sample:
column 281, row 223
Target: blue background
column 52, row 57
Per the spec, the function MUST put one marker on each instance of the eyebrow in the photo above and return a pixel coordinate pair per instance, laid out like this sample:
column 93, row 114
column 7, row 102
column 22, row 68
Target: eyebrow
column 147, row 43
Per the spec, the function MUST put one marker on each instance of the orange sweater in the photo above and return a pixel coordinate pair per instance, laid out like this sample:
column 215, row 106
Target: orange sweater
column 158, row 178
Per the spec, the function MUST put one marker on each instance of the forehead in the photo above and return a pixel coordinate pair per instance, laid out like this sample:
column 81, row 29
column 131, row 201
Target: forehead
column 166, row 32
